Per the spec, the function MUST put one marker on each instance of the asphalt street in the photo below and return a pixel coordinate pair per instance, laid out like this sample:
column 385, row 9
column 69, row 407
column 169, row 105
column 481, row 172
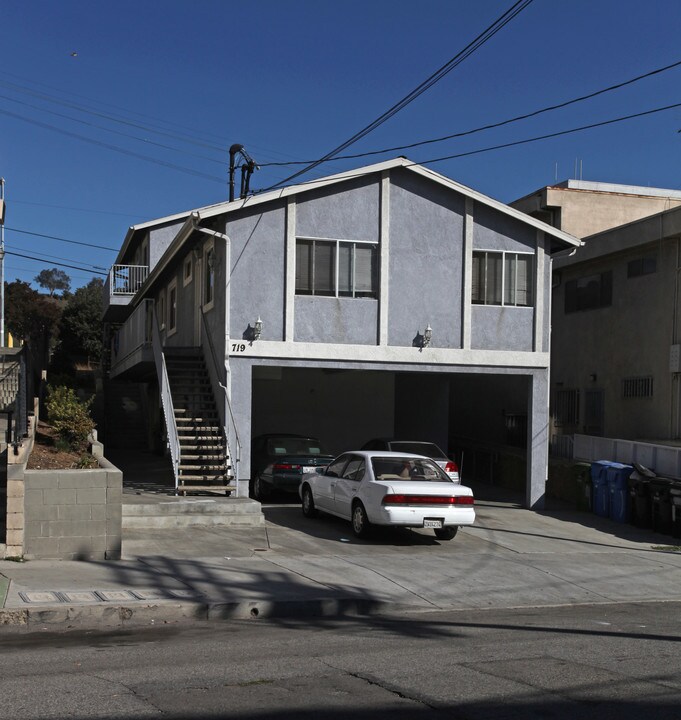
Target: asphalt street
column 589, row 661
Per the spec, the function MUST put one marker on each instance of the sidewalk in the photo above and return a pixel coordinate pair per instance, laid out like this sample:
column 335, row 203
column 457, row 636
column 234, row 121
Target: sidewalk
column 295, row 566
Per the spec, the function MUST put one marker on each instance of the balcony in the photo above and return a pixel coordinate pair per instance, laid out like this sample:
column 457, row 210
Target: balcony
column 121, row 285
column 132, row 355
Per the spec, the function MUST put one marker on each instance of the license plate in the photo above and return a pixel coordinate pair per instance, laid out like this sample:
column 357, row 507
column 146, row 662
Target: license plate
column 309, row 469
column 432, row 523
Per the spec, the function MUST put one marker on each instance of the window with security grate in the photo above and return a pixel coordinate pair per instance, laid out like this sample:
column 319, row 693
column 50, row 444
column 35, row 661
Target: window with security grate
column 637, row 387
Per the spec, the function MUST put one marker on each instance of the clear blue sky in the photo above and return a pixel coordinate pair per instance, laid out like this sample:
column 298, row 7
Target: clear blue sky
column 291, row 80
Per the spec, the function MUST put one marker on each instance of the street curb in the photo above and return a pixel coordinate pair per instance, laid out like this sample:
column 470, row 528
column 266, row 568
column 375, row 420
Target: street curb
column 122, row 616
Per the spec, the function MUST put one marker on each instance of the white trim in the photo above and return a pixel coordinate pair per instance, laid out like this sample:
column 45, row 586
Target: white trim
column 339, row 353
column 467, row 300
column 290, row 286
column 337, row 240
column 227, row 207
column 539, row 279
column 384, row 260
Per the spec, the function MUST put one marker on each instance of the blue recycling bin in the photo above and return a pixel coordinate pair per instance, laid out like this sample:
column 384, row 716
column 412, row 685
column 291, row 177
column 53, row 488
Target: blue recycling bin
column 618, row 488
column 600, row 502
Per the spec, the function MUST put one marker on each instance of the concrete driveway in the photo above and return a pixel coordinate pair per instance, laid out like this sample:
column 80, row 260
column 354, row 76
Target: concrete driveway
column 292, row 565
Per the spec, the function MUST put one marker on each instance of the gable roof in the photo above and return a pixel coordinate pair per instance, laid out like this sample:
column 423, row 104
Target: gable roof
column 210, row 211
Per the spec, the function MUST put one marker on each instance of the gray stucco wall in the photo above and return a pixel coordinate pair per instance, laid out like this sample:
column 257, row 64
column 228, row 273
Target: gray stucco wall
column 73, row 514
column 160, row 239
column 495, row 231
column 502, row 328
column 347, row 212
column 258, row 259
column 336, row 320
column 426, row 261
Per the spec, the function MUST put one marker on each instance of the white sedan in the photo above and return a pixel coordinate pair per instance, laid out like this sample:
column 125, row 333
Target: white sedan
column 388, row 488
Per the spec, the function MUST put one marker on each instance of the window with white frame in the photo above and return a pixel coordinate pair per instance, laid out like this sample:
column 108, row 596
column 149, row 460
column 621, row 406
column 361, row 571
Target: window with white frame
column 336, row 268
column 502, row 278
column 187, row 271
column 161, row 314
column 209, row 277
column 172, row 307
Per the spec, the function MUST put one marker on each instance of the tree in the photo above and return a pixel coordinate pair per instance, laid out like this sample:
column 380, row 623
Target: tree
column 81, row 322
column 52, row 280
column 34, row 318
column 29, row 315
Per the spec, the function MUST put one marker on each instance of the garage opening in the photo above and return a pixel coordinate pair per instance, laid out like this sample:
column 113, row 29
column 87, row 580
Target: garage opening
column 478, row 419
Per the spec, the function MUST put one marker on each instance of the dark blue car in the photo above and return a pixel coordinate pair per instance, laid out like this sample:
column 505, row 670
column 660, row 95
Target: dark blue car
column 278, row 462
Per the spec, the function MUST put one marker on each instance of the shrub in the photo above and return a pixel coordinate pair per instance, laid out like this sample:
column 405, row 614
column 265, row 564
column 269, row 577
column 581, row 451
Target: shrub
column 69, row 417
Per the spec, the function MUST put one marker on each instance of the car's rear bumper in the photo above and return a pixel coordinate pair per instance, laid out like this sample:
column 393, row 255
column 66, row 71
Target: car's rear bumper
column 409, row 516
column 286, row 482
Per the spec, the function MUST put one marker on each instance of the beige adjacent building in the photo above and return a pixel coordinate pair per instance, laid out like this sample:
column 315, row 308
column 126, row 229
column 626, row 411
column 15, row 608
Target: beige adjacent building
column 583, row 208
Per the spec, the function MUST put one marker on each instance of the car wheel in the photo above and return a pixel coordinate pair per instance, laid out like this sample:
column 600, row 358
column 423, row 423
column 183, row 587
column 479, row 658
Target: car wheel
column 446, row 533
column 309, row 510
column 360, row 522
column 259, row 490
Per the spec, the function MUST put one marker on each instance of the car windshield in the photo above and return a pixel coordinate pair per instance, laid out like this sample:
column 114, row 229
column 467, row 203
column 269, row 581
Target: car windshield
column 397, row 468
column 294, row 446
column 418, row 448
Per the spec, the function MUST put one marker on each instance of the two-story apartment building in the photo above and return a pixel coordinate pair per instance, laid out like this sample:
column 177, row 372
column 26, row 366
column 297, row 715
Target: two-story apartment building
column 368, row 303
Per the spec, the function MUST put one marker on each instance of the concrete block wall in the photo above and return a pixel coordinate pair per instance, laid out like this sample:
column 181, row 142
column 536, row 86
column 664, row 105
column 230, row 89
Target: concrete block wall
column 72, row 514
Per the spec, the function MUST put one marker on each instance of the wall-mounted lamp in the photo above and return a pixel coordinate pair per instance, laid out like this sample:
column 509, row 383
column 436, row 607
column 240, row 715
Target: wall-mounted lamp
column 257, row 329
column 427, row 336
column 593, row 377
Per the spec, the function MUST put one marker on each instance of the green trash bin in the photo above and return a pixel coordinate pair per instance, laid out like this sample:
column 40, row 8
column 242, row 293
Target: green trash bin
column 582, row 475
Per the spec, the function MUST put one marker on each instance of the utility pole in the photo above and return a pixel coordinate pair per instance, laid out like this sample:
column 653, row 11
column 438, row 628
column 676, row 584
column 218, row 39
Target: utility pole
column 2, row 262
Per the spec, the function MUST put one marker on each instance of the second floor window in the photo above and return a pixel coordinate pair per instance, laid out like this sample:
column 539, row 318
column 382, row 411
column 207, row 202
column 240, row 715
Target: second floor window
column 589, row 292
column 502, row 278
column 209, row 277
column 335, row 268
column 172, row 307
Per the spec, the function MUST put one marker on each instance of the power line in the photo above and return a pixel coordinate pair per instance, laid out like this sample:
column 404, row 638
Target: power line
column 112, row 118
column 552, row 135
column 121, row 119
column 115, row 148
column 74, row 267
column 491, row 126
column 364, row 173
column 478, row 42
column 61, row 239
column 147, row 141
column 59, row 257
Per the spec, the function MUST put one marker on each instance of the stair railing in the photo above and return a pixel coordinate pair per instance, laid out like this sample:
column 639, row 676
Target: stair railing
column 166, row 399
column 213, row 371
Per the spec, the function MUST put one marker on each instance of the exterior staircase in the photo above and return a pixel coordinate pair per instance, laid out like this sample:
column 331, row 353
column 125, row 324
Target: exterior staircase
column 204, row 464
column 9, row 383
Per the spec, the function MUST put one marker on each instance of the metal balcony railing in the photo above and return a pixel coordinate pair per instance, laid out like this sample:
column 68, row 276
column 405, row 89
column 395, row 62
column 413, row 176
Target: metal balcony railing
column 127, row 279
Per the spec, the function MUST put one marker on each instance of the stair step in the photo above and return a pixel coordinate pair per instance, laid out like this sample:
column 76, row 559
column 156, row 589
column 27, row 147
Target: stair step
column 211, row 510
column 204, row 458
